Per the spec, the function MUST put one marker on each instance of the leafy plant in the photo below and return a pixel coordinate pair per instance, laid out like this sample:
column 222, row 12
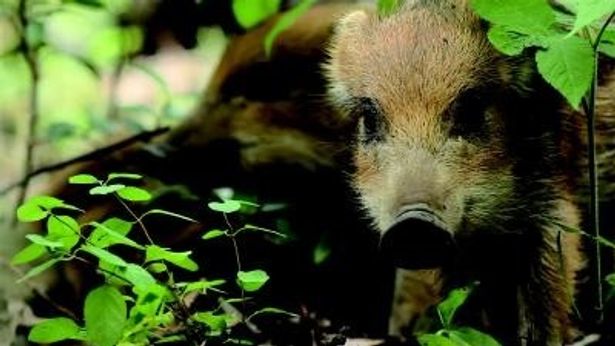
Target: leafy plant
column 567, row 43
column 451, row 334
column 139, row 303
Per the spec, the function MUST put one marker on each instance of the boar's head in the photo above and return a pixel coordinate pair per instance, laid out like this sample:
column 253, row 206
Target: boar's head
column 433, row 104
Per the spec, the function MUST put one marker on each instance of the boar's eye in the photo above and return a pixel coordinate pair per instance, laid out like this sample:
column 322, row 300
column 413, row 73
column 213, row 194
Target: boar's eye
column 371, row 125
column 468, row 114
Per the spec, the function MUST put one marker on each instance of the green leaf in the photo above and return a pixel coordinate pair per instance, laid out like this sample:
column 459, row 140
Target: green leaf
column 47, row 202
column 214, row 233
column 63, row 229
column 568, row 65
column 509, row 41
column 252, row 280
column 448, row 307
column 201, row 286
column 85, row 179
column 251, row 12
column 610, row 279
column 285, row 21
column 134, row 194
column 607, row 43
column 180, row 259
column 28, row 254
column 437, row 340
column 168, row 213
column 40, row 240
column 531, row 17
column 157, row 267
column 472, row 337
column 589, row 11
column 104, row 255
column 137, row 276
column 322, row 251
column 106, row 189
column 54, row 330
column 216, row 323
column 112, row 231
column 388, row 7
column 39, row 269
column 104, row 236
column 30, row 212
column 105, row 316
column 228, row 206
column 131, row 176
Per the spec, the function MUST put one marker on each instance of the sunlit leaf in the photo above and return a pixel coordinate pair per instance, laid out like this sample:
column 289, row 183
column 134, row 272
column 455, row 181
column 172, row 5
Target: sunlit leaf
column 228, row 206
column 85, row 179
column 285, row 21
column 106, row 189
column 180, row 259
column 448, row 307
column 110, row 232
column 568, row 65
column 589, row 11
column 134, row 194
column 214, row 233
column 252, row 280
column 216, row 323
column 251, row 12
column 39, row 269
column 40, row 240
column 28, row 254
column 105, row 316
column 54, row 330
column 31, row 212
column 104, row 255
column 131, row 176
column 532, row 17
column 471, row 337
column 104, row 236
column 63, row 229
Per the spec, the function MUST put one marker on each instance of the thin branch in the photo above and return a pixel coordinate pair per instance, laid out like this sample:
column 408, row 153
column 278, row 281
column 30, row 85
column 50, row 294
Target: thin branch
column 93, row 155
column 30, row 56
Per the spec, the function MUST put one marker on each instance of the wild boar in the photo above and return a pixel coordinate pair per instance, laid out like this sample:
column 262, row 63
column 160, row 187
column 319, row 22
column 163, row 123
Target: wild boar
column 466, row 161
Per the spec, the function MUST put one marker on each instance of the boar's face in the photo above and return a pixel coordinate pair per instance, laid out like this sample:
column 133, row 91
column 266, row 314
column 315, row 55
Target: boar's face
column 422, row 86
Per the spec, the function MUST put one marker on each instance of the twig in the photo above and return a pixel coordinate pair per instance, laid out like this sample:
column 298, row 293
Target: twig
column 98, row 153
column 32, row 63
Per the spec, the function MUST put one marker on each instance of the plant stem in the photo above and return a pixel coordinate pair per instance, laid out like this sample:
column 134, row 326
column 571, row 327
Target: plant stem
column 594, row 210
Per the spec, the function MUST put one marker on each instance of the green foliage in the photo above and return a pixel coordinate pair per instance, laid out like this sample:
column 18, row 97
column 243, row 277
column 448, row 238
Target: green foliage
column 252, row 280
column 105, row 316
column 589, row 11
column 388, row 7
column 138, row 304
column 565, row 60
column 249, row 13
column 54, row 330
column 452, row 334
column 286, row 20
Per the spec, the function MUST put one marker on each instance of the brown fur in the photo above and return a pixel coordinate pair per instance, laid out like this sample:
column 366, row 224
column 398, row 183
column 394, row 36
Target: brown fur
column 415, row 65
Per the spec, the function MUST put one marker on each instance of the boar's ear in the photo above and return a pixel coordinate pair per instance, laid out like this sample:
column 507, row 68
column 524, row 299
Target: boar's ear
column 345, row 45
column 352, row 24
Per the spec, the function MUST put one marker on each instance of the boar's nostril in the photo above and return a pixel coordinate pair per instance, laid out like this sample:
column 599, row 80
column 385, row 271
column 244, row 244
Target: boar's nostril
column 418, row 239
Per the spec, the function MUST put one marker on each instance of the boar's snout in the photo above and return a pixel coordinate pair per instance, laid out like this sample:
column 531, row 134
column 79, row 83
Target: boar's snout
column 418, row 239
